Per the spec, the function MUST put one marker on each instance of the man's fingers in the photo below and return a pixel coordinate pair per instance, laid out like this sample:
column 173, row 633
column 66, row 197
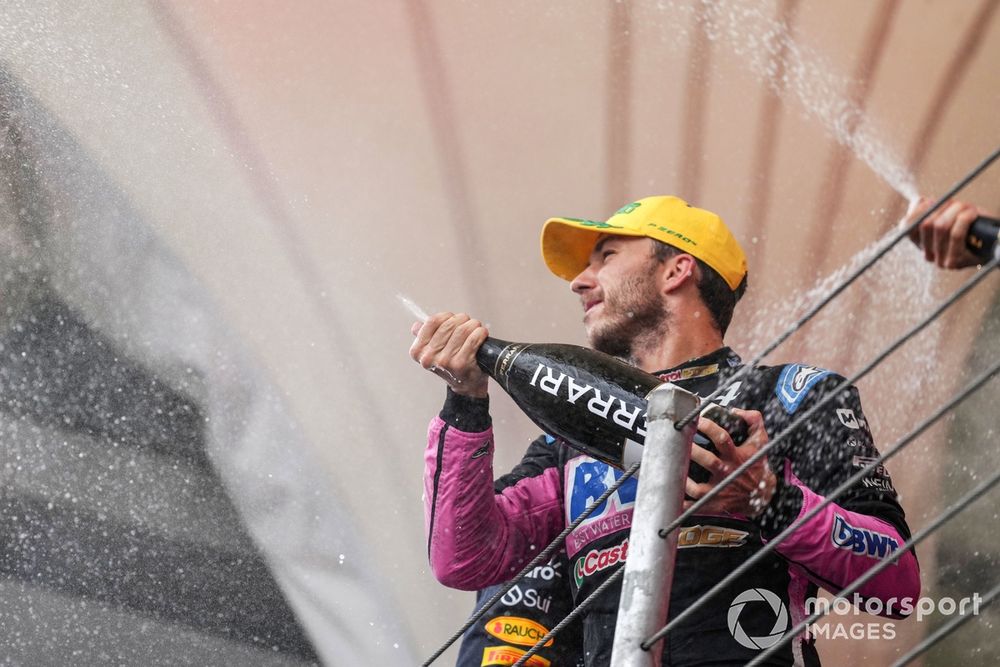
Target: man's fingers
column 942, row 225
column 926, row 230
column 719, row 437
column 694, row 489
column 460, row 336
column 444, row 332
column 753, row 418
column 474, row 341
column 958, row 254
column 709, row 461
column 916, row 209
column 421, row 350
column 430, row 327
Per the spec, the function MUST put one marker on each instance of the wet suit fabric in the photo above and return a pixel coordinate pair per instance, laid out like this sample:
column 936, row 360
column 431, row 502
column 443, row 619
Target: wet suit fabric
column 481, row 534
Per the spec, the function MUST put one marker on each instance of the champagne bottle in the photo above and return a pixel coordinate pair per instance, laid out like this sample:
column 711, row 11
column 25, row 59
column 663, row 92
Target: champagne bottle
column 982, row 237
column 592, row 401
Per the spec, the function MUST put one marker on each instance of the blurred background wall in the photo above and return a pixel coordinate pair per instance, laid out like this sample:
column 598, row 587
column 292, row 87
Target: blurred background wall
column 213, row 433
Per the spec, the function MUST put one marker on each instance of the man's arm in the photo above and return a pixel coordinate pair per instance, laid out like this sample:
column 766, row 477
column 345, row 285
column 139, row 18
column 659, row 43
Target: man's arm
column 863, row 526
column 475, row 537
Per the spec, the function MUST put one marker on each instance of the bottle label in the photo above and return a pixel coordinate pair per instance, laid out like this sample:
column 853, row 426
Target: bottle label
column 506, row 359
column 604, row 405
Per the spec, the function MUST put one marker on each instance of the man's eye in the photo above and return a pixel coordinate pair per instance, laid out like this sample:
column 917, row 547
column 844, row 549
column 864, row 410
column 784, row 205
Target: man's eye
column 606, row 253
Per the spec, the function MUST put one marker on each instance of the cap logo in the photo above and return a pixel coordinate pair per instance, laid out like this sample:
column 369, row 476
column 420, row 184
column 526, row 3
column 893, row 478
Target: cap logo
column 677, row 235
column 595, row 224
column 628, row 208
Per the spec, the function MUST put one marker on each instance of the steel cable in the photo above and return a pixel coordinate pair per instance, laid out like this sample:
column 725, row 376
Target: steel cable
column 697, row 505
column 558, row 540
column 772, row 544
column 610, row 581
column 944, row 631
column 844, row 284
column 942, row 518
column 827, row 501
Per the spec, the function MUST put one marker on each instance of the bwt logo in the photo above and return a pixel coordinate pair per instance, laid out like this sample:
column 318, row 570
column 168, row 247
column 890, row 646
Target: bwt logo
column 860, row 541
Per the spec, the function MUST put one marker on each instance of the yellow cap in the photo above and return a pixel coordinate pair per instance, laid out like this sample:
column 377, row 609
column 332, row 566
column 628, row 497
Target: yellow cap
column 568, row 242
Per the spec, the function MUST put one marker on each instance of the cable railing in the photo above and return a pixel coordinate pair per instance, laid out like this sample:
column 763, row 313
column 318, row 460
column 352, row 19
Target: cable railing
column 900, row 234
column 780, row 437
column 945, row 630
column 546, row 554
column 892, row 559
column 843, row 488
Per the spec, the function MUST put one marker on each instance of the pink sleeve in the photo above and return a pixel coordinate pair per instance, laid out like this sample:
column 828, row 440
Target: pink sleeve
column 837, row 546
column 476, row 537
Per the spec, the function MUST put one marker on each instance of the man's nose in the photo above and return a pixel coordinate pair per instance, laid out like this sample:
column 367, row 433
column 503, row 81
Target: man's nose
column 583, row 281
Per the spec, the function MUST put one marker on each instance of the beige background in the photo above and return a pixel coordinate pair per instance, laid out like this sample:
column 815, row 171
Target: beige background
column 309, row 161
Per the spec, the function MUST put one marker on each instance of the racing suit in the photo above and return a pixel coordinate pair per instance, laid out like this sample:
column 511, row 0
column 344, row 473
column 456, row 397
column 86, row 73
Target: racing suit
column 523, row 616
column 478, row 537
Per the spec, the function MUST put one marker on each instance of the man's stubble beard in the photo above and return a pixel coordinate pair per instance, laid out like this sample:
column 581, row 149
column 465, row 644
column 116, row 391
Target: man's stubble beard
column 634, row 316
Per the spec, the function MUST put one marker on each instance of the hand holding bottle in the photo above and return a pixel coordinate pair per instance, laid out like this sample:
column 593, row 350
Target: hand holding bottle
column 749, row 493
column 446, row 344
column 955, row 236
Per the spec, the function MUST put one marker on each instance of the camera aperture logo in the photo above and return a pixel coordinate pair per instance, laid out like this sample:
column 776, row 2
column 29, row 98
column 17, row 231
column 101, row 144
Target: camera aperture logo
column 758, row 595
column 766, row 605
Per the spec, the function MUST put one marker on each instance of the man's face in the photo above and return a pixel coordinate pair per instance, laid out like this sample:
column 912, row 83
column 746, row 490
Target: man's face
column 620, row 295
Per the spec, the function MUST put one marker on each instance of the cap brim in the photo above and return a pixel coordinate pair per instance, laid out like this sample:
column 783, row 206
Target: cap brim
column 567, row 243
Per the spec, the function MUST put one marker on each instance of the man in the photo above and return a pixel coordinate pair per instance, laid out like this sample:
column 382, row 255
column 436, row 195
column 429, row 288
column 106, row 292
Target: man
column 658, row 283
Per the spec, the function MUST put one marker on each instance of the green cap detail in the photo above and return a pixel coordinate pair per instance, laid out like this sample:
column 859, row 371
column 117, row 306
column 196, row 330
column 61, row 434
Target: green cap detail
column 671, row 232
column 595, row 224
column 628, row 208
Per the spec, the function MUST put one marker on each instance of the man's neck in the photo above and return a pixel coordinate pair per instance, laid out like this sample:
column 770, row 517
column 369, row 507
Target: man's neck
column 687, row 339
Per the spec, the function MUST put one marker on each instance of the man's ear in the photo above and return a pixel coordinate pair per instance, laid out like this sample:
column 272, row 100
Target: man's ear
column 680, row 270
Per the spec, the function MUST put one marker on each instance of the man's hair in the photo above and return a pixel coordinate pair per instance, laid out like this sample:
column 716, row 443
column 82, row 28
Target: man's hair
column 715, row 293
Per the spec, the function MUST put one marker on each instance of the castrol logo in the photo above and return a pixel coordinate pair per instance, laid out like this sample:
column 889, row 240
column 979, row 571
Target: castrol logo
column 598, row 560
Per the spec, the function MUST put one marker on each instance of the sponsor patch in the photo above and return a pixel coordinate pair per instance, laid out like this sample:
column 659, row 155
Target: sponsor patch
column 795, row 382
column 689, row 373
column 861, row 541
column 863, row 461
column 508, row 655
column 586, row 480
column 880, row 483
column 527, row 597
column 717, row 537
column 598, row 560
column 517, row 630
column 848, row 419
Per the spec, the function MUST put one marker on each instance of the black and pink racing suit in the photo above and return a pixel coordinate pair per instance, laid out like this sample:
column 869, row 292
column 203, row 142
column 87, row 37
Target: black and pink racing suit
column 480, row 534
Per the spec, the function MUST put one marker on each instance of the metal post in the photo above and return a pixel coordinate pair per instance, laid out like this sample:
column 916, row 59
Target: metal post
column 649, row 567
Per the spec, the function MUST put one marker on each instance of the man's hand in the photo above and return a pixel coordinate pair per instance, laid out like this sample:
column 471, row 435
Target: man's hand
column 942, row 235
column 446, row 344
column 749, row 493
